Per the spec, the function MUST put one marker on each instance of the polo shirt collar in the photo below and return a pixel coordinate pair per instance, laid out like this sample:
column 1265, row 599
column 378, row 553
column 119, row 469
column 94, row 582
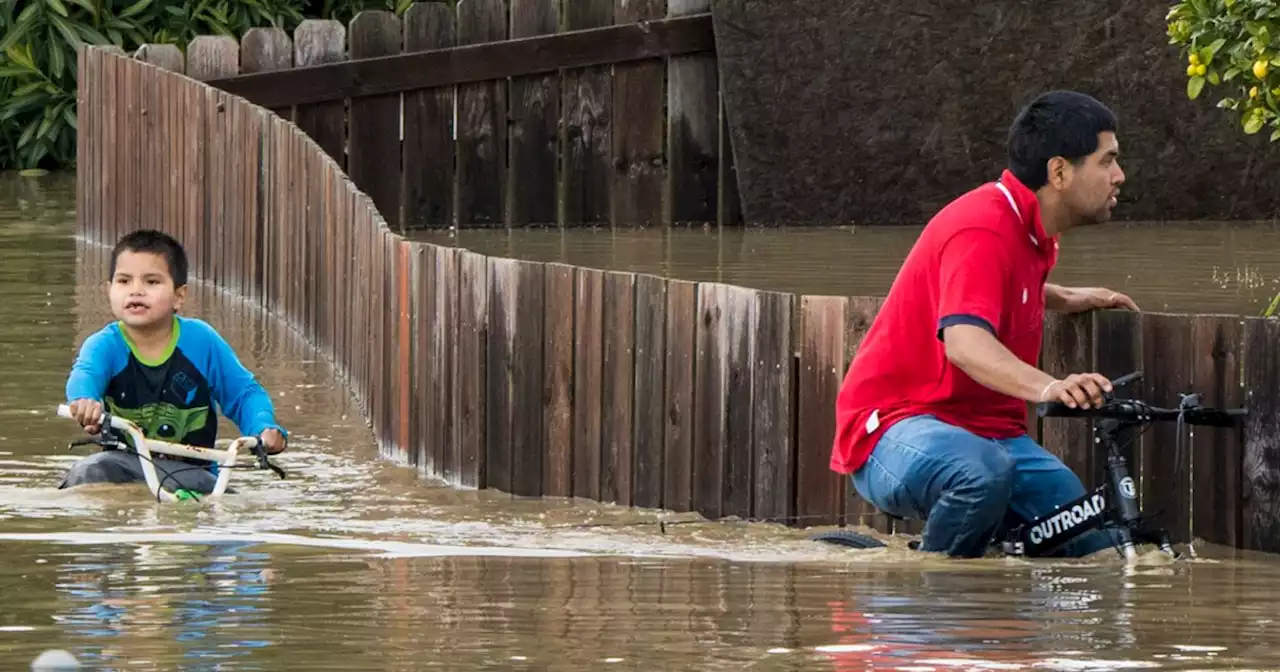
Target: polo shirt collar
column 1026, row 206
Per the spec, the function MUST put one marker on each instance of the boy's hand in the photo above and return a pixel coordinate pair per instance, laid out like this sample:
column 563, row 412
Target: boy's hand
column 273, row 440
column 87, row 412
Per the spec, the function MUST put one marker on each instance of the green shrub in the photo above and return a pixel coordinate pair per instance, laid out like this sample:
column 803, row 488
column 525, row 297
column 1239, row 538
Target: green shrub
column 1234, row 44
column 38, row 54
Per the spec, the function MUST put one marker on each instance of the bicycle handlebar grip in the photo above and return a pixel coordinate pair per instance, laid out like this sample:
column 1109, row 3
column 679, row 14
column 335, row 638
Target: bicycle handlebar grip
column 65, row 411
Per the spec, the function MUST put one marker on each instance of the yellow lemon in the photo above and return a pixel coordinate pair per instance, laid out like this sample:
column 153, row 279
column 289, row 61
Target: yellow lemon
column 1260, row 68
column 1191, row 71
column 1253, row 93
column 1201, row 69
column 1194, row 59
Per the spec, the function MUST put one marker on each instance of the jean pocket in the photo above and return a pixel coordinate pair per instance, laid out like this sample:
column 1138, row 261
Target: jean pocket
column 884, row 490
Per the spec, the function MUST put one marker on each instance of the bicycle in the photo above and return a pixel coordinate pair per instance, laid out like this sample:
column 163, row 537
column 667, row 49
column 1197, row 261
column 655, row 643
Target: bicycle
column 1112, row 506
column 120, row 434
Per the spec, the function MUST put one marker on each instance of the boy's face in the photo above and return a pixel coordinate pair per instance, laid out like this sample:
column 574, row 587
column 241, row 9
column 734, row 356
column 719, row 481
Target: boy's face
column 142, row 292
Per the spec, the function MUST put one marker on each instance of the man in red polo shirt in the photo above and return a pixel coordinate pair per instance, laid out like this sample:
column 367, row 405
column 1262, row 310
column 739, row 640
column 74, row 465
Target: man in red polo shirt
column 931, row 417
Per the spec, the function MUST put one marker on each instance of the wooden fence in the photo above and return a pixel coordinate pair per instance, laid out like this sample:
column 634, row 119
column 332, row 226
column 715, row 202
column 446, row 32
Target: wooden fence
column 542, row 379
column 605, row 114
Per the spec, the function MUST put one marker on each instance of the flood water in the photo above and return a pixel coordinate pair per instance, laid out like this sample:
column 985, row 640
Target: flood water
column 354, row 563
column 1177, row 267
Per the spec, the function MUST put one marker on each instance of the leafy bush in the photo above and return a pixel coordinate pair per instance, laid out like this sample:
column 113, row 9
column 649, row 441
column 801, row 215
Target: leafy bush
column 1232, row 43
column 38, row 54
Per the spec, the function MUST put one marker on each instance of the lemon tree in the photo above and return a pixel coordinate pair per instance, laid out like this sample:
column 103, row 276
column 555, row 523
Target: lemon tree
column 1234, row 44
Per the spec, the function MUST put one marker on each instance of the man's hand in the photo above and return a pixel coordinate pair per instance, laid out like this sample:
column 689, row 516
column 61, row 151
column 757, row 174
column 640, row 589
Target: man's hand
column 273, row 440
column 1080, row 299
column 1078, row 390
column 87, row 412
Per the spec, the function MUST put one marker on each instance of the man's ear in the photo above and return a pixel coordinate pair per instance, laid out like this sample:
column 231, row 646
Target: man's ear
column 1059, row 172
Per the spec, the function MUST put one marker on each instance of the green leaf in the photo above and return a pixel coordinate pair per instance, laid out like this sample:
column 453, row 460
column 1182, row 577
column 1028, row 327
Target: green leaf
column 13, row 71
column 57, row 6
column 69, row 117
column 1213, row 78
column 68, row 32
column 1252, row 124
column 88, row 6
column 136, row 8
column 1275, row 135
column 1194, row 86
column 92, row 36
column 28, row 89
column 1231, row 74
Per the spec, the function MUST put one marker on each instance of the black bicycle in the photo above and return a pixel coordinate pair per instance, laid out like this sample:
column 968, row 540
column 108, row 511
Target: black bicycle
column 1112, row 506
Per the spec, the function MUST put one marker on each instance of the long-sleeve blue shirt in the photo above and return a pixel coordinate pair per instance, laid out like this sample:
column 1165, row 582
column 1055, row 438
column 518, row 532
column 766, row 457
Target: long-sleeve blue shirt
column 172, row 398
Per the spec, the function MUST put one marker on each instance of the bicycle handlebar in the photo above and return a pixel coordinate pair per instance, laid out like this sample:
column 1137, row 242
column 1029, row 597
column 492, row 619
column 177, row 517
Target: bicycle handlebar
column 1190, row 411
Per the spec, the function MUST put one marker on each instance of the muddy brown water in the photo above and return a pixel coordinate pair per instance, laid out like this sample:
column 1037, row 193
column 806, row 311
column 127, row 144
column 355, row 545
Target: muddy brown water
column 354, row 563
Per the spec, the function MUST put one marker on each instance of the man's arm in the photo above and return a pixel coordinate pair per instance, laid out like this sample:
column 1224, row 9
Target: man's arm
column 1079, row 299
column 973, row 267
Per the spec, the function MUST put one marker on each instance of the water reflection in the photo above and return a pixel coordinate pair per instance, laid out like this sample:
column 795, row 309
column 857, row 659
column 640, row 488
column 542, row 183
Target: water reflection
column 1191, row 267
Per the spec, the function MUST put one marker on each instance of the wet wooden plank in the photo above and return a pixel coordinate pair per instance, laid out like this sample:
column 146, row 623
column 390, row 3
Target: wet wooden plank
column 681, row 342
column 515, row 367
column 406, row 269
column 588, row 374
column 1166, row 469
column 482, row 123
column 771, row 398
column 819, row 490
column 373, row 150
column 87, row 106
column 1217, row 453
column 639, row 121
column 710, row 400
column 318, row 42
column 135, row 137
column 428, row 125
column 265, row 49
column 617, row 388
column 1068, row 348
column 1117, row 352
column 649, row 396
column 447, row 406
column 216, row 182
column 421, row 316
column 558, row 380
column 739, row 406
column 213, row 57
column 471, row 367
column 109, row 185
column 193, row 171
column 860, row 312
column 534, row 123
column 587, row 125
column 1261, row 516
column 693, row 129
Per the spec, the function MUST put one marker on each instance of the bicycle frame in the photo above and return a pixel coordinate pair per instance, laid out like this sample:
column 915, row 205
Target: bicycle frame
column 1114, row 504
column 145, row 448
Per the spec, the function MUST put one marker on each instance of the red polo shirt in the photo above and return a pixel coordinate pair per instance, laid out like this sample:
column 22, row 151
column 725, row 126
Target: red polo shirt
column 983, row 259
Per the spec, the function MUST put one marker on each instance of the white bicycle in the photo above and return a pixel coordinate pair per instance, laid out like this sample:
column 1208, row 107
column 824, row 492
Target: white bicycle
column 120, row 434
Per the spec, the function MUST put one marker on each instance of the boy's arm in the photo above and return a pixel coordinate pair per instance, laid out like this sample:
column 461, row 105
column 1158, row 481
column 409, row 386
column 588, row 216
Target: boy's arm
column 92, row 369
column 238, row 393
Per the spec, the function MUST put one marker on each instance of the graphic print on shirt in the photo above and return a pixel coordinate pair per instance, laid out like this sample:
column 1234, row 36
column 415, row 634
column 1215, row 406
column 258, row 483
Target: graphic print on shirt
column 170, row 401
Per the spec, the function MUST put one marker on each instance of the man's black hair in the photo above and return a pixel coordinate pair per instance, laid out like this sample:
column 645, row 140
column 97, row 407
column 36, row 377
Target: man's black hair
column 1056, row 123
column 156, row 242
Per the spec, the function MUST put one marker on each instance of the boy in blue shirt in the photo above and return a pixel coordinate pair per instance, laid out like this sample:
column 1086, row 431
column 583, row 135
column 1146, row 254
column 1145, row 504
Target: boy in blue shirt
column 161, row 371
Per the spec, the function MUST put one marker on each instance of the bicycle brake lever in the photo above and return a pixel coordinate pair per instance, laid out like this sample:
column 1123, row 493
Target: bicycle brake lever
column 264, row 461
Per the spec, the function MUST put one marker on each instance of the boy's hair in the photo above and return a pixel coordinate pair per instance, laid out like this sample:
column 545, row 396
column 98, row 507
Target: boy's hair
column 1056, row 123
column 155, row 242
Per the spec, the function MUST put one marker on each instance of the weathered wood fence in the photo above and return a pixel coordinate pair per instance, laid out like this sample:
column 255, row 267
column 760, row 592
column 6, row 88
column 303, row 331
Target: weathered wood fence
column 605, row 114
column 552, row 380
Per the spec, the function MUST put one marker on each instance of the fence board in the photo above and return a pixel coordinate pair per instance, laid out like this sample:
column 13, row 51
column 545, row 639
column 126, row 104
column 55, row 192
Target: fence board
column 535, row 123
column 406, row 267
column 482, row 123
column 558, row 379
column 638, row 123
column 266, row 50
column 318, row 42
column 617, row 387
column 504, row 293
column 738, row 343
column 111, row 186
column 772, row 383
column 650, row 375
column 193, row 171
column 1216, row 453
column 681, row 341
column 1068, row 349
column 428, row 125
column 471, row 369
column 373, row 147
column 587, row 166
column 693, row 128
column 213, row 57
column 421, row 316
column 709, row 392
column 1261, row 516
column 1117, row 352
column 860, row 312
column 588, row 362
column 446, row 387
column 819, row 491
column 1166, row 469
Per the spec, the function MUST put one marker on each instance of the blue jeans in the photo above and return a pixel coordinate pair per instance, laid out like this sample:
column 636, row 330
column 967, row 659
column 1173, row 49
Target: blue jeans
column 969, row 489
